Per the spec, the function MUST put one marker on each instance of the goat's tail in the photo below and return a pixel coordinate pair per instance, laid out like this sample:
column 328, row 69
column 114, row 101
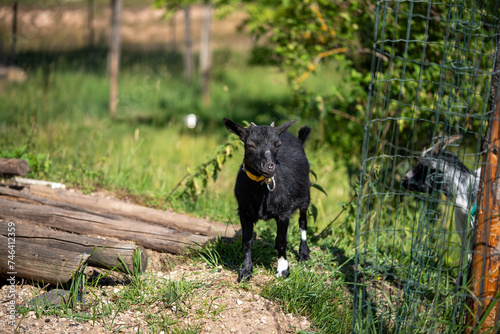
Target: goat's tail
column 304, row 133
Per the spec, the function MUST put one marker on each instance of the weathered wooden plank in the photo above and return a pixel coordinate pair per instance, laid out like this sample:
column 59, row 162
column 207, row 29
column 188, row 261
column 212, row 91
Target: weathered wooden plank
column 147, row 235
column 21, row 259
column 103, row 253
column 116, row 207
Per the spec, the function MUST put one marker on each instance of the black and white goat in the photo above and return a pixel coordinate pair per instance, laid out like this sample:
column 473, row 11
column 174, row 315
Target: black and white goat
column 272, row 182
column 440, row 170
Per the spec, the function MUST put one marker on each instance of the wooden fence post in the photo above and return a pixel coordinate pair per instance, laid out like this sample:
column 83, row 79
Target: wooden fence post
column 485, row 270
column 14, row 33
column 90, row 25
column 188, row 49
column 114, row 54
column 206, row 54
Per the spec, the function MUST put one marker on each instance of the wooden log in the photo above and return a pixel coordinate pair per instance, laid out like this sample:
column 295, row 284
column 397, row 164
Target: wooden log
column 13, row 167
column 20, row 258
column 119, row 208
column 103, row 253
column 147, row 235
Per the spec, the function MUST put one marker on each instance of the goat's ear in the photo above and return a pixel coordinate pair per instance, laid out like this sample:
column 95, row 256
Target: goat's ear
column 283, row 127
column 235, row 128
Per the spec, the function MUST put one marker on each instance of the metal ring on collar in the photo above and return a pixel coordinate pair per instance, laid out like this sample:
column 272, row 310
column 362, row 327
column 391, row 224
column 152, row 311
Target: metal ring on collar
column 268, row 181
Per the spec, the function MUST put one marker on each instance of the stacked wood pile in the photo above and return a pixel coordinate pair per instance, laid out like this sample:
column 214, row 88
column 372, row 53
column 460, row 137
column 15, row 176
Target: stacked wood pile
column 52, row 232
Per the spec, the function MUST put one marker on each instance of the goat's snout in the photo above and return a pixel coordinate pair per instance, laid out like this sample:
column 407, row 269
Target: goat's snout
column 405, row 181
column 268, row 165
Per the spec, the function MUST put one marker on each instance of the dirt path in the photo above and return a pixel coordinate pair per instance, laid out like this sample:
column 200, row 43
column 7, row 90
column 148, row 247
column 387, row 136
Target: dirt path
column 213, row 303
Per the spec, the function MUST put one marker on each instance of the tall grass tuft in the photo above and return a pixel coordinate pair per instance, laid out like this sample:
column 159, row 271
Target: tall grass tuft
column 322, row 297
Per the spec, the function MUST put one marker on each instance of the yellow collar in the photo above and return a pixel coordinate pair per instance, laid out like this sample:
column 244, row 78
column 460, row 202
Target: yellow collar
column 254, row 177
column 269, row 181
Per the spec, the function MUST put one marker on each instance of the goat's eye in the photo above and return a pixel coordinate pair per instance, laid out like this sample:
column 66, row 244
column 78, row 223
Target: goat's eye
column 251, row 145
column 277, row 144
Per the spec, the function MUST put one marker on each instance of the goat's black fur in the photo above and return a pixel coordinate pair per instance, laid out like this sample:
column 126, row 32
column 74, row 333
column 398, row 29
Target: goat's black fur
column 272, row 152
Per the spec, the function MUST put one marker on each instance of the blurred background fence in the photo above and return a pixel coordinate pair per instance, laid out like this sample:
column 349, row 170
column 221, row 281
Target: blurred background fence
column 432, row 69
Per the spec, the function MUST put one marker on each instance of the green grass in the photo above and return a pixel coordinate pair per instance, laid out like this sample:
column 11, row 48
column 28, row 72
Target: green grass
column 61, row 113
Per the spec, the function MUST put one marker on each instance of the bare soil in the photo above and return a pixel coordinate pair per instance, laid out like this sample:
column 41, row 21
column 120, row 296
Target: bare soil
column 220, row 305
column 64, row 28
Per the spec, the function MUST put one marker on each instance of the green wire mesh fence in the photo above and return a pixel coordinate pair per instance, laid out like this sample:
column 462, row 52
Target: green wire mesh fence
column 432, row 67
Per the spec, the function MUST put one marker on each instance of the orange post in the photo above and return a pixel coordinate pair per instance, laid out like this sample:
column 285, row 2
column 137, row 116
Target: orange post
column 486, row 256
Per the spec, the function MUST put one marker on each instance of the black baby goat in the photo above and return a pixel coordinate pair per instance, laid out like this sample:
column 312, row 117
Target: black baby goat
column 440, row 170
column 273, row 182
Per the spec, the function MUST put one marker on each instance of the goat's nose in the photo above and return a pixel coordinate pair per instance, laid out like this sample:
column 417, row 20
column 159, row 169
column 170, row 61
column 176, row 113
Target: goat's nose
column 405, row 182
column 270, row 166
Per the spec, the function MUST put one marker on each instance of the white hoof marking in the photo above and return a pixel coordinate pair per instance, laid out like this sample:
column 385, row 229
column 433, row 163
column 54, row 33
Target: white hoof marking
column 282, row 266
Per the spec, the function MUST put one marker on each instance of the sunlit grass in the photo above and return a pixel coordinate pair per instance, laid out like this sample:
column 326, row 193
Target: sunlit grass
column 145, row 152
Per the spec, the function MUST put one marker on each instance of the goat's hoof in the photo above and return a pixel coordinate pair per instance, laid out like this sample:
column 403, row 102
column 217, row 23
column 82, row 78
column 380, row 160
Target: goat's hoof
column 244, row 275
column 283, row 273
column 304, row 252
column 304, row 257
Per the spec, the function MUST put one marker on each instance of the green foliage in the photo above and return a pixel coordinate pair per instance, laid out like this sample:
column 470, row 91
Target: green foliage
column 195, row 182
column 309, row 38
column 39, row 163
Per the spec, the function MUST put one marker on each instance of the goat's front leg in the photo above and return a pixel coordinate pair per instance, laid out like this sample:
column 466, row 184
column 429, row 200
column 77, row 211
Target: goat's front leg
column 303, row 249
column 281, row 242
column 247, row 239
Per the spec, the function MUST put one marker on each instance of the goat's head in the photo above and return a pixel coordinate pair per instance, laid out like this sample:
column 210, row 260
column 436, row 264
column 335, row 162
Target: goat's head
column 429, row 174
column 261, row 145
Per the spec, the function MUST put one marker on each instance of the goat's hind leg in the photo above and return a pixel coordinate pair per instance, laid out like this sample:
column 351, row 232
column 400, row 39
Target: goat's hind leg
column 303, row 249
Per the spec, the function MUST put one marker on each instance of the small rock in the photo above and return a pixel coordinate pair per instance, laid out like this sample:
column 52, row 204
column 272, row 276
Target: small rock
column 239, row 302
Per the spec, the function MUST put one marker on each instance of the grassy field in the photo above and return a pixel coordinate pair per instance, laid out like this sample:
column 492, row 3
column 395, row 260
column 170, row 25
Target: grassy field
column 58, row 121
column 60, row 113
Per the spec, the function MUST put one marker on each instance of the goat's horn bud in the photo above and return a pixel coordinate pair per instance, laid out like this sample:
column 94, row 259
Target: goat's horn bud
column 272, row 124
column 252, row 124
column 443, row 143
